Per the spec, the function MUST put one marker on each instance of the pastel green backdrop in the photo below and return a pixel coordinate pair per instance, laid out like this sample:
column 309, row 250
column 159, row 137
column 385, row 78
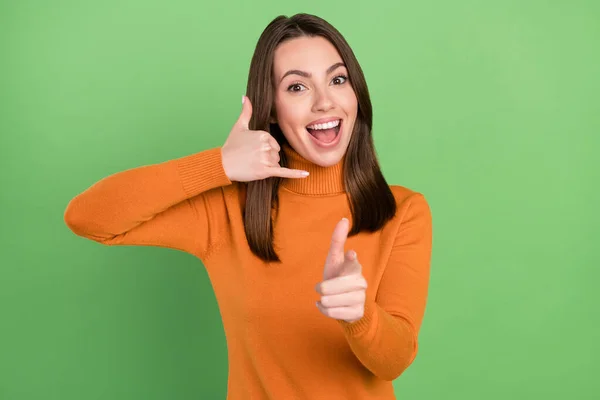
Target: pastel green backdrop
column 488, row 108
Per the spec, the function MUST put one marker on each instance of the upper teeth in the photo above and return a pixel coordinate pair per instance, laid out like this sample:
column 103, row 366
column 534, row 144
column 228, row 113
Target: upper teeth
column 327, row 125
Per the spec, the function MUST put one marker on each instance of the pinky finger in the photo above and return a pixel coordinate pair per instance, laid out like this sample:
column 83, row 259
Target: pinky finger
column 287, row 173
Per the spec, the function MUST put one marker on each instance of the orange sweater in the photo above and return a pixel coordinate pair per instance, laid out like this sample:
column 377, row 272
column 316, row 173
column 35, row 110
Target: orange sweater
column 279, row 344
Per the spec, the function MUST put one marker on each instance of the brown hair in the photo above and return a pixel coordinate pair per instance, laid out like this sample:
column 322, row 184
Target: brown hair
column 371, row 201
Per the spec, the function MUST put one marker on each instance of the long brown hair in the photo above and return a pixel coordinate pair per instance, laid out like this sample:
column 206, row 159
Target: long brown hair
column 371, row 201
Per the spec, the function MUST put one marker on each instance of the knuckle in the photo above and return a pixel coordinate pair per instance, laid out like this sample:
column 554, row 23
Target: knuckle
column 362, row 282
column 265, row 163
column 323, row 289
column 335, row 240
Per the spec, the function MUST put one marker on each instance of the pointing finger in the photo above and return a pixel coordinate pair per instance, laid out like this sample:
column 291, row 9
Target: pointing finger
column 338, row 240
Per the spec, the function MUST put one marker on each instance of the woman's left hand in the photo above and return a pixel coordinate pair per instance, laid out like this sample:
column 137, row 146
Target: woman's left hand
column 343, row 289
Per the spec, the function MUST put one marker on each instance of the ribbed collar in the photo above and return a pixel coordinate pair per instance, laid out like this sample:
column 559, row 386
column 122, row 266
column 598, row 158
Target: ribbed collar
column 321, row 181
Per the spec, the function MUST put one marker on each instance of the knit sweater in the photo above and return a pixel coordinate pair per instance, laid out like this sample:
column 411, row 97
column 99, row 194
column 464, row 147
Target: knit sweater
column 280, row 346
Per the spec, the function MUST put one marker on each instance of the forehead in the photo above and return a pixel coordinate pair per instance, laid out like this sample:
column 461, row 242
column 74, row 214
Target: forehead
column 309, row 54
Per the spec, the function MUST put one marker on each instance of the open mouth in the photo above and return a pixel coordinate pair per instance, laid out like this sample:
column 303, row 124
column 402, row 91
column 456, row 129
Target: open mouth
column 325, row 133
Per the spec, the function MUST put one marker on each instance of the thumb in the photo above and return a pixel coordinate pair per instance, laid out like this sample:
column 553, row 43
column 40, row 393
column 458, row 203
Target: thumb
column 244, row 119
column 351, row 265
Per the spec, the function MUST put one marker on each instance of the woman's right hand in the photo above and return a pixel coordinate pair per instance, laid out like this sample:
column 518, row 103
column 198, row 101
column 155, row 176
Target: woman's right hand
column 253, row 155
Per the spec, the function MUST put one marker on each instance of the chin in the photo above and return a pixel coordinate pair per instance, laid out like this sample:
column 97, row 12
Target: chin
column 327, row 159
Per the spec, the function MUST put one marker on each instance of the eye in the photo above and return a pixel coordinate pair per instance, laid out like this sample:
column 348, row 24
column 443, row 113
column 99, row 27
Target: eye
column 295, row 87
column 340, row 79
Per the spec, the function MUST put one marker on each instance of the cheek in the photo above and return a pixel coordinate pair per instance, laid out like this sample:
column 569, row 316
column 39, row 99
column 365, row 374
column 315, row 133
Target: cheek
column 289, row 115
column 349, row 102
column 353, row 104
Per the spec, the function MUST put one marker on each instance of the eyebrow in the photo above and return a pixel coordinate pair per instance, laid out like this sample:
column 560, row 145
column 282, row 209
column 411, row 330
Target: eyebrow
column 308, row 75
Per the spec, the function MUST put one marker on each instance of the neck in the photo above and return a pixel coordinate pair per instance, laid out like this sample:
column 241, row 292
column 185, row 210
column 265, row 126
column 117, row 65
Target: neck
column 321, row 181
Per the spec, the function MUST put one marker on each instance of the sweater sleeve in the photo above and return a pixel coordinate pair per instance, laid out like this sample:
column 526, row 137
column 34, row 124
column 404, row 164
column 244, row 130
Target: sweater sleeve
column 385, row 339
column 169, row 204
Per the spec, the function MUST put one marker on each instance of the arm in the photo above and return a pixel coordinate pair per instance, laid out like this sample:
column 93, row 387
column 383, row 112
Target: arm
column 166, row 205
column 385, row 339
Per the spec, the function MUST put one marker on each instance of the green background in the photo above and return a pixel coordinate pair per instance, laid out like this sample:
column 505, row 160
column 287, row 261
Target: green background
column 488, row 108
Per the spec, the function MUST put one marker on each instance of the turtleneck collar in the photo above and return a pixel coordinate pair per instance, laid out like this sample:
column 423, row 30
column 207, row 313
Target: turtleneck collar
column 322, row 181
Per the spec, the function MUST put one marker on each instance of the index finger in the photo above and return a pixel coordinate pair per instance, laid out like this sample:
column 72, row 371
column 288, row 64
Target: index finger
column 274, row 144
column 338, row 240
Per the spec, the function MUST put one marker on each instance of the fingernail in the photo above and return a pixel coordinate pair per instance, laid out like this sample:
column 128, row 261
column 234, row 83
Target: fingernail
column 304, row 173
column 243, row 99
column 344, row 219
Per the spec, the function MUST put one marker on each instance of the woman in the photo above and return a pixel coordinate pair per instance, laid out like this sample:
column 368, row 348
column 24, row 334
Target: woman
column 271, row 214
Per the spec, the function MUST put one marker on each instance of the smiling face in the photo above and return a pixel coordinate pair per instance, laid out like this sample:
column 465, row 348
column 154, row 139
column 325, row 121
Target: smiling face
column 315, row 104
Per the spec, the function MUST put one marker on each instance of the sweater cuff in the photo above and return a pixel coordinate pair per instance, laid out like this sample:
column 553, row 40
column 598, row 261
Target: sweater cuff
column 202, row 171
column 362, row 325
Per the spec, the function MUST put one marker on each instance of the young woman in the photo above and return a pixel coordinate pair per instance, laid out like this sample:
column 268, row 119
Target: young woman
column 271, row 214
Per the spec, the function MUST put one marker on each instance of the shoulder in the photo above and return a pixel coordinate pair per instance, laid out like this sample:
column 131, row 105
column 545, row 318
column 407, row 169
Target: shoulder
column 402, row 194
column 407, row 198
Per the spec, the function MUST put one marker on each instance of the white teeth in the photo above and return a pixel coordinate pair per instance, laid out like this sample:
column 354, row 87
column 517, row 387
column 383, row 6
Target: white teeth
column 327, row 125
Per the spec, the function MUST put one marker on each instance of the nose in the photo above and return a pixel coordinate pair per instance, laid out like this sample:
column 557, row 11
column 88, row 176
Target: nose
column 322, row 101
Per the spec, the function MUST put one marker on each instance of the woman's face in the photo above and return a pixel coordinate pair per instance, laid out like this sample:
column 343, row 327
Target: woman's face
column 315, row 104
